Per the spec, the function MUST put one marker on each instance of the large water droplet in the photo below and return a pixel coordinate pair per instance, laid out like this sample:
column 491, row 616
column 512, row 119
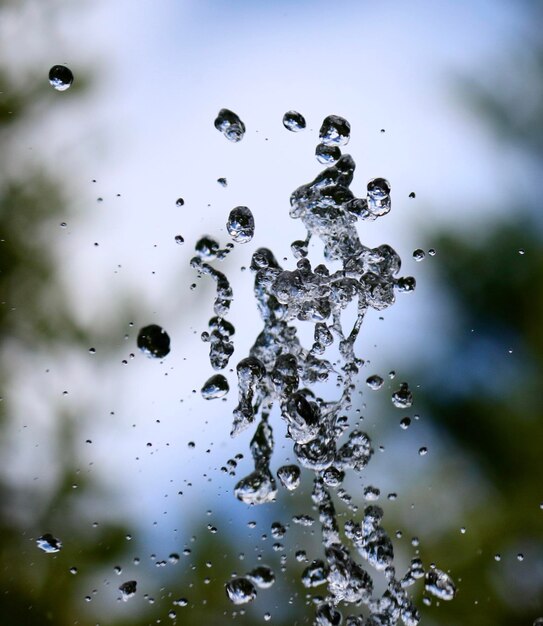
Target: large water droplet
column 402, row 398
column 48, row 543
column 128, row 589
column 327, row 155
column 378, row 197
column 440, row 584
column 230, row 125
column 215, row 387
column 262, row 576
column 240, row 590
column 61, row 77
column 289, row 475
column 335, row 131
column 293, row 121
column 154, row 341
column 241, row 224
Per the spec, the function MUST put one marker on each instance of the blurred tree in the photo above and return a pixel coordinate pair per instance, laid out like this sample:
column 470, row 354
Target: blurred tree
column 485, row 395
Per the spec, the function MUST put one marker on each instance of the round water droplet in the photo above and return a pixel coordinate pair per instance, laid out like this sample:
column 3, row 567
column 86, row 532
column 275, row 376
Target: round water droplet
column 215, row 387
column 374, row 382
column 179, row 202
column 423, row 451
column 405, row 423
column 240, row 590
column 419, row 254
column 289, row 476
column 412, row 195
column 378, row 197
column 439, row 584
column 61, row 77
column 154, row 341
column 335, row 131
column 262, row 576
column 222, row 182
column 48, row 543
column 179, row 239
column 293, row 121
column 241, row 224
column 128, row 589
column 230, row 125
column 402, row 398
column 327, row 155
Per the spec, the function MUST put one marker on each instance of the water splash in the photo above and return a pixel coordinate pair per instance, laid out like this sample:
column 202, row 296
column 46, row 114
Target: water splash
column 279, row 371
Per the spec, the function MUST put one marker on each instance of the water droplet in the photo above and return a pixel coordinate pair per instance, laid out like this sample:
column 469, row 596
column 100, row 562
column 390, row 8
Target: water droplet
column 335, row 131
column 439, row 584
column 378, row 197
column 230, row 125
column 215, row 387
column 538, row 621
column 520, row 556
column 240, row 590
column 315, row 574
column 402, row 398
column 327, row 155
column 371, row 493
column 154, row 341
column 48, row 543
column 179, row 239
column 128, row 590
column 241, row 224
column 423, row 451
column 293, row 121
column 73, row 570
column 431, row 252
column 222, row 182
column 374, row 382
column 419, row 254
column 412, row 195
column 405, row 422
column 289, row 476
column 61, row 77
column 179, row 202
column 262, row 576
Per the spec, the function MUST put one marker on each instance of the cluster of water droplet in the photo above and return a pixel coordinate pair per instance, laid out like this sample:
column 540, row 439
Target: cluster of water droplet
column 280, row 371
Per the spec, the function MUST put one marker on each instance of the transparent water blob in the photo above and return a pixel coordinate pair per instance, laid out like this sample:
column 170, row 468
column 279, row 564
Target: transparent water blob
column 327, row 155
column 61, row 77
column 154, row 341
column 48, row 543
column 374, row 382
column 179, row 239
column 215, row 387
column 240, row 590
column 262, row 576
column 289, row 476
column 440, row 584
column 179, row 202
column 128, row 590
column 294, row 121
column 230, row 125
column 402, row 398
column 241, row 224
column 419, row 254
column 335, row 131
column 378, row 197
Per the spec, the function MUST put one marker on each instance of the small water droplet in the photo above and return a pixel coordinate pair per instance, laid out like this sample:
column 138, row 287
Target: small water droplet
column 412, row 195
column 215, row 387
column 423, row 451
column 294, row 121
column 405, row 422
column 179, row 239
column 230, row 125
column 335, row 131
column 241, row 224
column 402, row 398
column 179, row 202
column 240, row 590
column 439, row 584
column 154, row 341
column 128, row 590
column 520, row 556
column 222, row 182
column 419, row 254
column 374, row 382
column 61, row 77
column 48, row 543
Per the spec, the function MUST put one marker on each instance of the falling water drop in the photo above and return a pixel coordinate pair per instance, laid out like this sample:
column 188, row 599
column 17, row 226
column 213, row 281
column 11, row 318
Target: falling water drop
column 335, row 131
column 154, row 341
column 48, row 543
column 293, row 121
column 215, row 387
column 439, row 584
column 374, row 382
column 241, row 224
column 240, row 590
column 230, row 125
column 128, row 590
column 61, row 77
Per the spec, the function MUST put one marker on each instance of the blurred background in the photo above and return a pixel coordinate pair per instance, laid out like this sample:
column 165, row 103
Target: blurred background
column 117, row 455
